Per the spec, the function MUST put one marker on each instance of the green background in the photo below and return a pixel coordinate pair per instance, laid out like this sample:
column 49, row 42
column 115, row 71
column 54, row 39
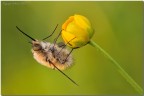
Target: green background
column 118, row 30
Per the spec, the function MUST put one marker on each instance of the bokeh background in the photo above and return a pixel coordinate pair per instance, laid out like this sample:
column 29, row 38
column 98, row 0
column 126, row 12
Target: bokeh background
column 118, row 30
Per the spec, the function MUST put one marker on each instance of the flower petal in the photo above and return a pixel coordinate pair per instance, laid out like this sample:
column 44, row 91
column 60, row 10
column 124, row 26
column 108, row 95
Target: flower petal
column 64, row 26
column 82, row 21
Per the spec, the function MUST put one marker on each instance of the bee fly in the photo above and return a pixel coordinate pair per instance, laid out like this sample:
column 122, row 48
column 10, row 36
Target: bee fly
column 51, row 55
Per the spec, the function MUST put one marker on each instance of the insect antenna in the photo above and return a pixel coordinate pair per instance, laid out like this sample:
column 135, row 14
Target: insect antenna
column 64, row 74
column 25, row 34
column 51, row 33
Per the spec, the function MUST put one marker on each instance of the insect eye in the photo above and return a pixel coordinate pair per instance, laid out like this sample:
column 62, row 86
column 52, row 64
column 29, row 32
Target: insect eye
column 37, row 47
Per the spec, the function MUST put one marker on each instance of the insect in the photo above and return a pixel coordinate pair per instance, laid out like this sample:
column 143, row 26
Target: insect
column 51, row 55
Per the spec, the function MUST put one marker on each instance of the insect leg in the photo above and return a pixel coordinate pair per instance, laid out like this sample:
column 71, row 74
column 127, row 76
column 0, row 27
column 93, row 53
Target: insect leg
column 52, row 49
column 57, row 38
column 51, row 33
column 64, row 74
column 68, row 55
column 65, row 45
column 47, row 60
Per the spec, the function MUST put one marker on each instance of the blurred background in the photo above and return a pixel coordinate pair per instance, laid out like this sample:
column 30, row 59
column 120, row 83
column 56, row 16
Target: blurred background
column 118, row 30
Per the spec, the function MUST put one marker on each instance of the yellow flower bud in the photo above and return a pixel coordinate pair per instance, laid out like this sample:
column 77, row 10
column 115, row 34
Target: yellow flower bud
column 77, row 31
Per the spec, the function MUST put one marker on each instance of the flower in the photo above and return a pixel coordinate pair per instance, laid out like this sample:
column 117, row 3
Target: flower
column 77, row 31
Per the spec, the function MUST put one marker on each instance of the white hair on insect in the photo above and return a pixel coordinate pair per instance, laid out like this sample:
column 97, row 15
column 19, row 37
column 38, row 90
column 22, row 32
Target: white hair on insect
column 49, row 52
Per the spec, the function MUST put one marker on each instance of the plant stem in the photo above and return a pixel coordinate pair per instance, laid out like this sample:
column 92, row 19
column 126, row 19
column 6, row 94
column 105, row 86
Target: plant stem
column 119, row 68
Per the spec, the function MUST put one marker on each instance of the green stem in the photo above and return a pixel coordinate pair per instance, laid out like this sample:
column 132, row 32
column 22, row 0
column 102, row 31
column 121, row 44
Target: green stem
column 119, row 68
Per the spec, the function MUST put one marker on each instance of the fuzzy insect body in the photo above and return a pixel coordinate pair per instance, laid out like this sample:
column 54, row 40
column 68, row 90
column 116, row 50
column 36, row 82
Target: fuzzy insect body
column 54, row 56
column 46, row 53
